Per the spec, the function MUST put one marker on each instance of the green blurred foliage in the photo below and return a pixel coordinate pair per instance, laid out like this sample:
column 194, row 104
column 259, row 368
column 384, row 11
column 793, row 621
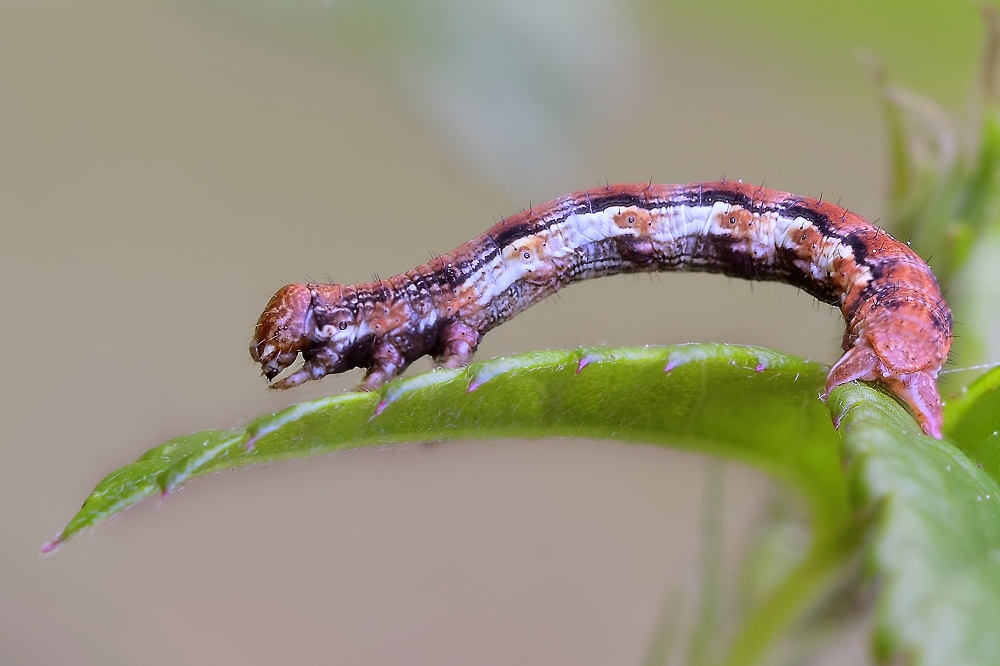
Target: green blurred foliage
column 945, row 194
column 925, row 43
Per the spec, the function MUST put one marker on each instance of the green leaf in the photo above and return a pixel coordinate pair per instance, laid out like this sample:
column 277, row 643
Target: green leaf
column 936, row 539
column 742, row 403
column 972, row 422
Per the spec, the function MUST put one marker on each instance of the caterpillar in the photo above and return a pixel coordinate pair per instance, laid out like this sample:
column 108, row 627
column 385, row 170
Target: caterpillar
column 899, row 328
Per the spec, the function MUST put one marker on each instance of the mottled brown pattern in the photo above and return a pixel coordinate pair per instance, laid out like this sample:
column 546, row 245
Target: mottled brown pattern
column 898, row 325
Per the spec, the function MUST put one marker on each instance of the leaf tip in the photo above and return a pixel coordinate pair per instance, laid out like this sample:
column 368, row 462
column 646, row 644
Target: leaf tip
column 51, row 546
column 584, row 362
column 675, row 362
column 380, row 407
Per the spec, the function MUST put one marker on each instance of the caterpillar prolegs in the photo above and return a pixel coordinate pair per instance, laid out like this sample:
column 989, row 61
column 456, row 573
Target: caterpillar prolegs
column 899, row 328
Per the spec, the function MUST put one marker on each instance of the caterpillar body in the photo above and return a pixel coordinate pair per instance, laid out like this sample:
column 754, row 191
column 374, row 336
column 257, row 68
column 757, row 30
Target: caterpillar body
column 899, row 328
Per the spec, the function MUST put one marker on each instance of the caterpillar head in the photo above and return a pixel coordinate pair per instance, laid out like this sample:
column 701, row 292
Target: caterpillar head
column 317, row 320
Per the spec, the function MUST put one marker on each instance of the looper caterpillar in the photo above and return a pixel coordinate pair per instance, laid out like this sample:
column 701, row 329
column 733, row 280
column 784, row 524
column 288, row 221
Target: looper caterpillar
column 899, row 328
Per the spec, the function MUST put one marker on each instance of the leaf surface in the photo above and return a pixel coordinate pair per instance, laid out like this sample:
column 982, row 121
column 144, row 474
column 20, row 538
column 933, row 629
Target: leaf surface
column 935, row 513
column 972, row 422
column 936, row 534
column 744, row 403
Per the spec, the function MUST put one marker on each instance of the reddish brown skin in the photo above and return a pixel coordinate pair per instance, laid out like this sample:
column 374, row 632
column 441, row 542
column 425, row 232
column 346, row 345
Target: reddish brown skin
column 899, row 328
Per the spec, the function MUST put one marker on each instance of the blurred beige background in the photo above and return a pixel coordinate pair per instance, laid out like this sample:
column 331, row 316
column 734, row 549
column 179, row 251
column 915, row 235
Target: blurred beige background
column 165, row 166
